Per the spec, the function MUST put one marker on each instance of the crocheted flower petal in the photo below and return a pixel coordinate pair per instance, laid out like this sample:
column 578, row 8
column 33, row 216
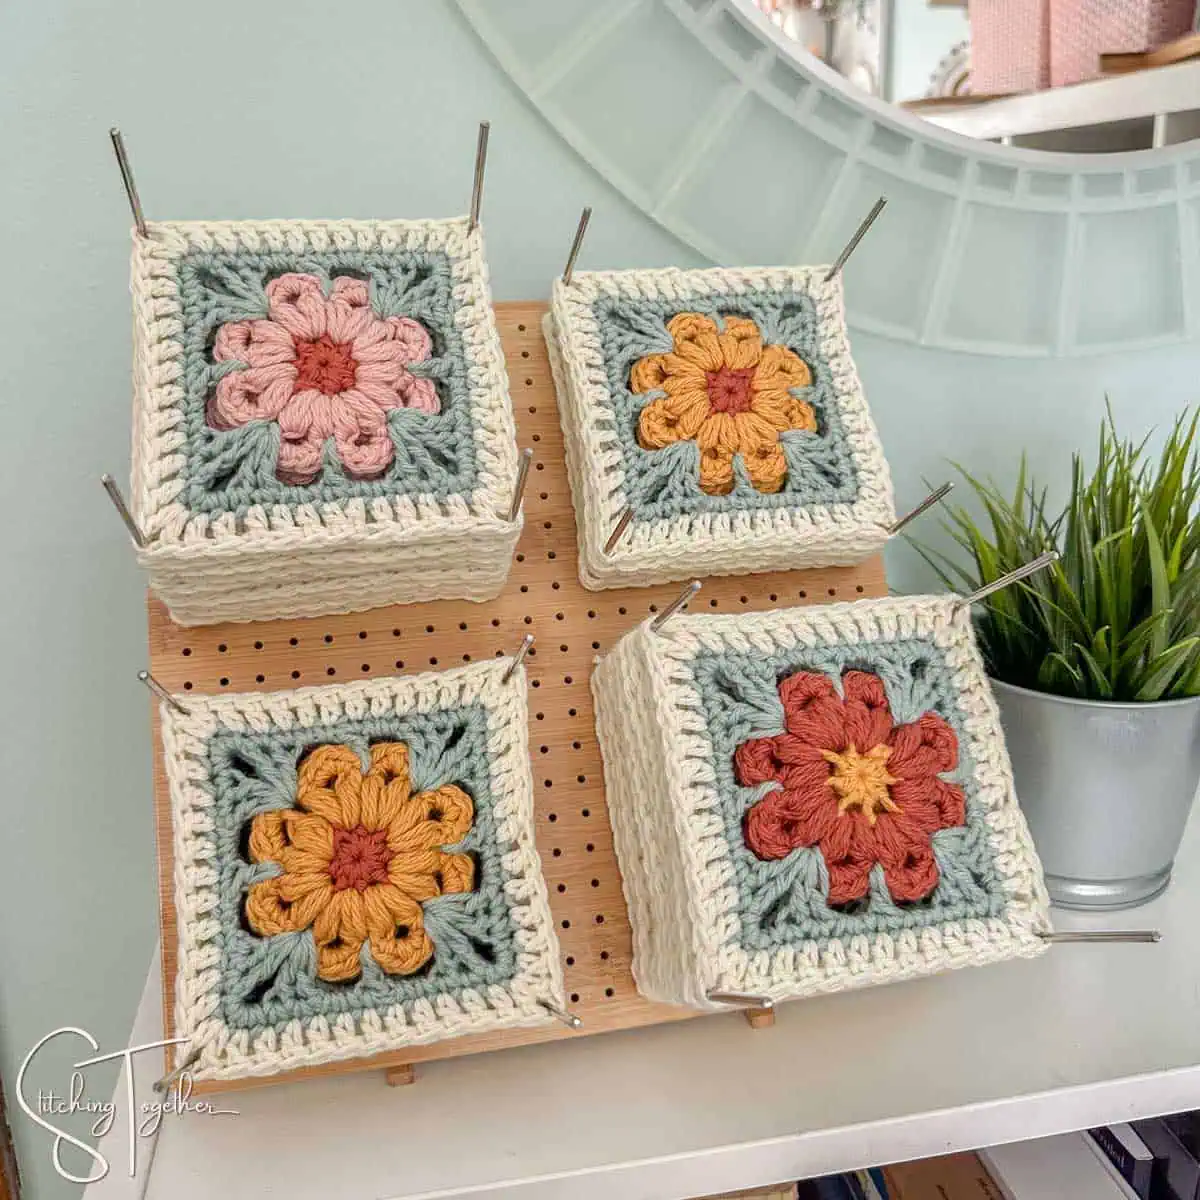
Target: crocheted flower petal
column 756, row 762
column 411, row 338
column 339, row 933
column 665, row 421
column 399, row 942
column 450, row 814
column 256, row 394
column 268, row 914
column 813, row 711
column 329, row 784
column 389, row 774
column 783, row 411
column 911, row 875
column 716, row 471
column 696, row 340
column 348, row 309
column 268, row 836
column 849, row 878
column 298, row 304
column 413, row 873
column 789, row 819
column 255, row 343
column 780, row 367
column 868, row 716
column 648, row 373
column 299, row 461
column 363, row 442
column 309, row 834
column 741, row 343
column 457, row 872
column 420, row 393
column 685, row 380
column 926, row 747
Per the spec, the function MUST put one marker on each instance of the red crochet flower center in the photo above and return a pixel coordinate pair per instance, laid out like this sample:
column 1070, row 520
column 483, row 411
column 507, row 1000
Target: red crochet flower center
column 325, row 366
column 730, row 390
column 360, row 858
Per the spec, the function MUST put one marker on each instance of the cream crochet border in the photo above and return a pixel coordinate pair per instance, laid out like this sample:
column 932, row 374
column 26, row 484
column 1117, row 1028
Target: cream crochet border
column 670, row 836
column 230, row 1054
column 707, row 543
column 176, row 536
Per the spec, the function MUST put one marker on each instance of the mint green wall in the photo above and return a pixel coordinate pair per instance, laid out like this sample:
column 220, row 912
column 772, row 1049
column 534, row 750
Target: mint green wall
column 281, row 108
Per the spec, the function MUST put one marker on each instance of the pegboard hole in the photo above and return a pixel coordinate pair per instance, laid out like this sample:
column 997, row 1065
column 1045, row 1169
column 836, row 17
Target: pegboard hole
column 331, row 670
column 258, row 645
column 609, row 992
column 590, row 847
column 293, row 641
column 223, row 681
column 574, row 995
column 599, row 918
column 557, row 852
column 362, row 635
column 595, row 883
column 187, row 652
column 260, row 679
column 366, row 667
column 552, row 817
column 566, row 925
column 295, row 674
column 329, row 639
column 570, row 960
column 604, row 956
column 399, row 664
column 562, row 887
column 187, row 687
column 585, row 812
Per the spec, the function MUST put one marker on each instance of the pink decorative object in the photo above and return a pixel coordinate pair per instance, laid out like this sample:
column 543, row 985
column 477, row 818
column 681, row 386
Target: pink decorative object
column 1082, row 30
column 1010, row 46
column 322, row 367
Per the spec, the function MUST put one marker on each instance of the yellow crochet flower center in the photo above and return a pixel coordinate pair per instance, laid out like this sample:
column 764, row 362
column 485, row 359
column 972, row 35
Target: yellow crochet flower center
column 729, row 394
column 360, row 854
column 862, row 780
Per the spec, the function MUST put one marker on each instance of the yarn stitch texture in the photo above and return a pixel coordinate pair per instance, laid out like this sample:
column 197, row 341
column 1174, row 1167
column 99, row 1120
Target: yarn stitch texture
column 355, row 870
column 699, row 729
column 723, row 408
column 310, row 399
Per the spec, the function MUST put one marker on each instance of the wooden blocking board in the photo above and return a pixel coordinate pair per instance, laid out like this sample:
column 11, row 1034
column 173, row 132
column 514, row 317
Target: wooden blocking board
column 572, row 626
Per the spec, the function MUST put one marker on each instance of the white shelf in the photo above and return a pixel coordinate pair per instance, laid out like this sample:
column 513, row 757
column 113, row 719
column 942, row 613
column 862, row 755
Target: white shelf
column 1083, row 1035
column 1141, row 95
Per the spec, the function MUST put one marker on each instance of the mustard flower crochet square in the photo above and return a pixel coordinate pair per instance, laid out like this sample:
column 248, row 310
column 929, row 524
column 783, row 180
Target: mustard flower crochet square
column 355, row 870
column 813, row 799
column 719, row 413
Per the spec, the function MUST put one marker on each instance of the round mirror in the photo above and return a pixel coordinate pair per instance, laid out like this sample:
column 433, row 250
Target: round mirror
column 1074, row 76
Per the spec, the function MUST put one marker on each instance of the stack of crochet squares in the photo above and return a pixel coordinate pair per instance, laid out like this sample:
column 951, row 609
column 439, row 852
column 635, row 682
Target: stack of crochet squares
column 321, row 418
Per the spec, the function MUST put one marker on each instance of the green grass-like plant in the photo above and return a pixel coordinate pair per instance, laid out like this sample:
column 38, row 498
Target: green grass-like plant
column 1118, row 616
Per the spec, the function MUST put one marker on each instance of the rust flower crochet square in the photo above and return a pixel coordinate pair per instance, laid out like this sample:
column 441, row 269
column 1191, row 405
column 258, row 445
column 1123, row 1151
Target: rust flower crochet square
column 813, row 799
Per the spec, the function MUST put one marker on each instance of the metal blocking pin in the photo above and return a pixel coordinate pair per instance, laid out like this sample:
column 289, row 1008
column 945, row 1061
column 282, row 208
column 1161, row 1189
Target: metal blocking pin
column 161, row 692
column 522, row 479
column 1030, row 568
column 618, row 530
column 569, row 1019
column 186, row 1065
column 569, row 269
column 859, row 234
column 114, row 494
column 925, row 505
column 741, row 1000
column 518, row 658
column 480, row 163
column 675, row 605
column 135, row 204
column 1103, row 935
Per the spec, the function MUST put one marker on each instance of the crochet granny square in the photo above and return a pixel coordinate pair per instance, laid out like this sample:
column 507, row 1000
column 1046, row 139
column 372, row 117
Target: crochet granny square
column 355, row 870
column 719, row 413
column 321, row 417
column 813, row 799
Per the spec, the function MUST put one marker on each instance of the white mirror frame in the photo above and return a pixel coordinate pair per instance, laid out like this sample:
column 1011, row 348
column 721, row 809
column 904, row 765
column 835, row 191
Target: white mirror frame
column 751, row 151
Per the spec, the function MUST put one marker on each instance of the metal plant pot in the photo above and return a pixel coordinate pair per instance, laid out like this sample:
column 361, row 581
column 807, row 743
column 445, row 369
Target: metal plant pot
column 1106, row 789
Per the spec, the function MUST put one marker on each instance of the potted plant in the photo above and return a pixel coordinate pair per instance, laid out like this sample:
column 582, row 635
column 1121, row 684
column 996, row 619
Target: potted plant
column 1095, row 661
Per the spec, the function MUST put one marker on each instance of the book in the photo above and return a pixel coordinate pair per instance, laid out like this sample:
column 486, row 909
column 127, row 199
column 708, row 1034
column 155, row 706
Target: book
column 1055, row 1168
column 1128, row 1153
column 949, row 1177
column 871, row 1184
column 1177, row 1173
